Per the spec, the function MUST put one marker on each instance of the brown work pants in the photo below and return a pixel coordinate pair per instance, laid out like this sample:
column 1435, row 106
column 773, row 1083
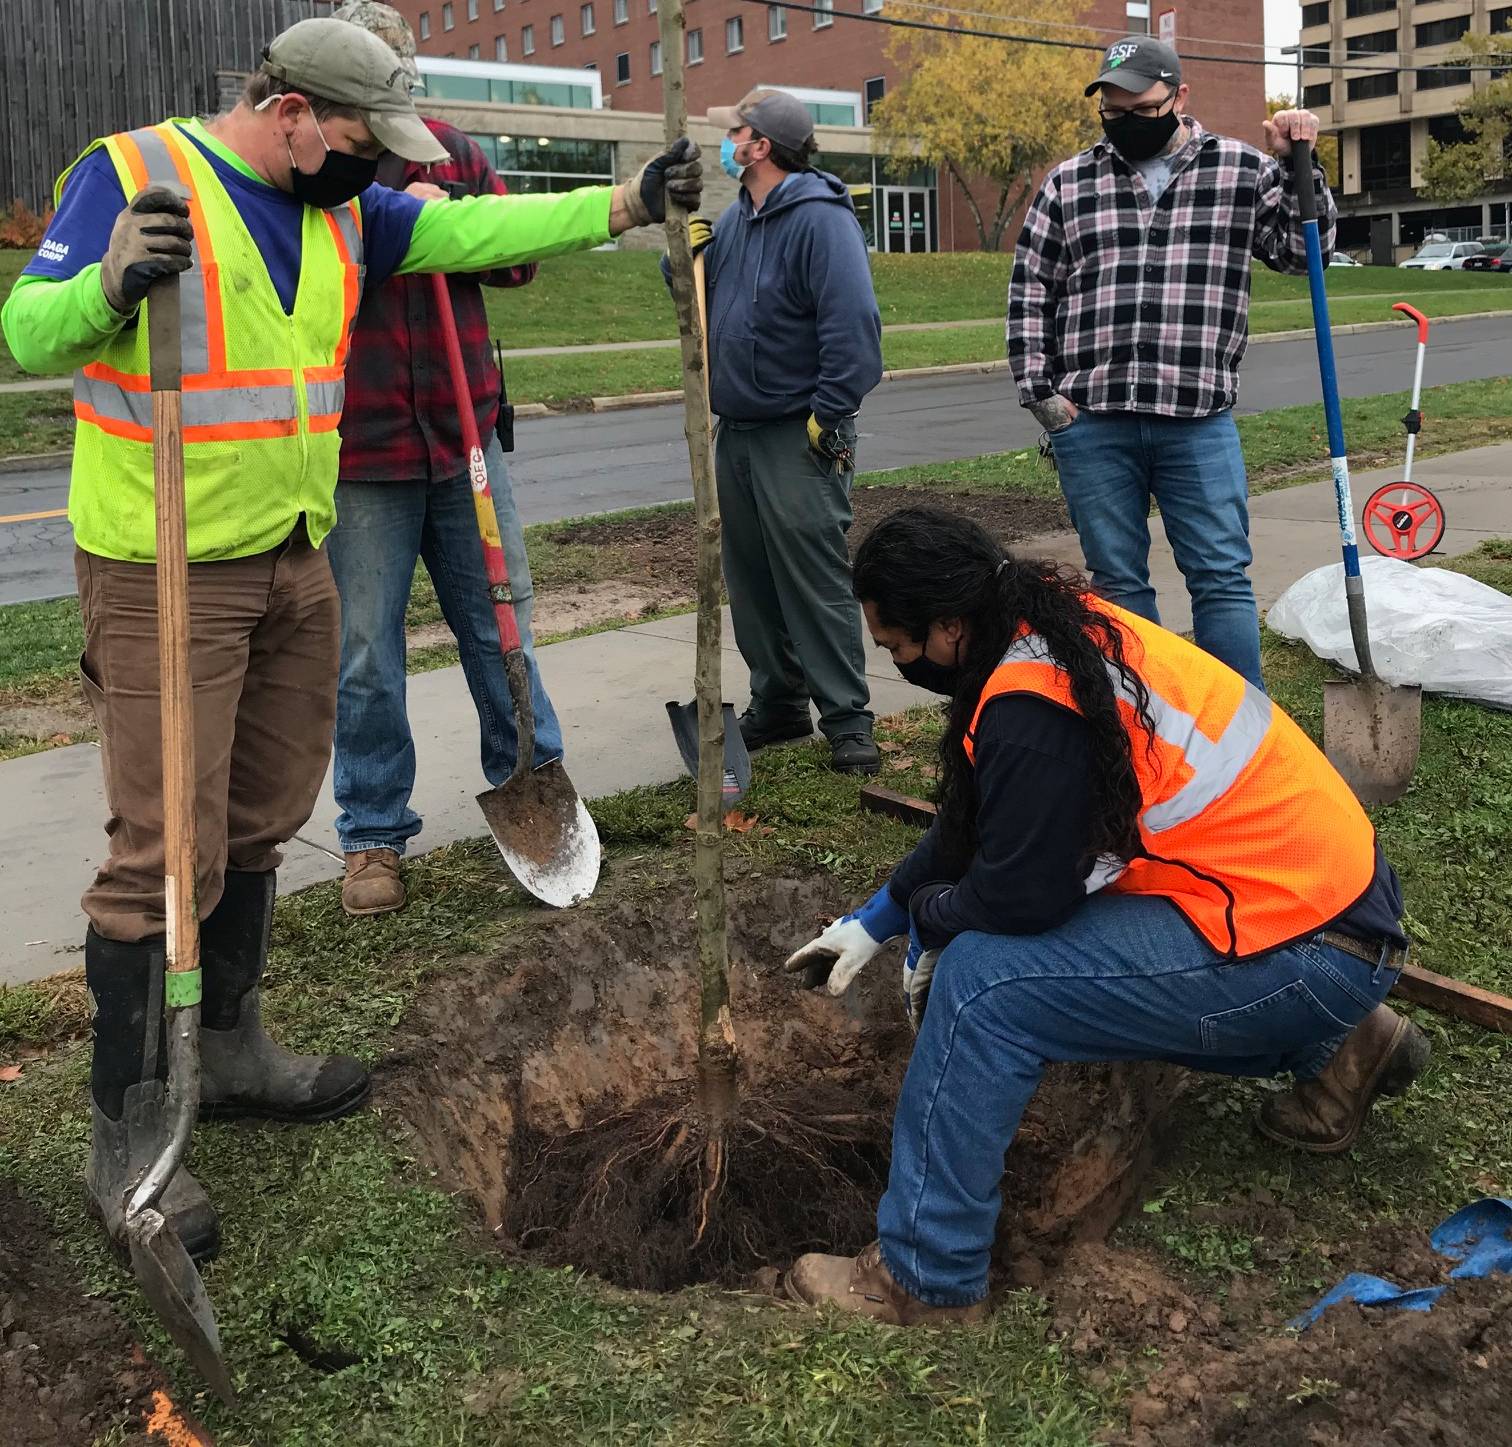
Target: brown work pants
column 263, row 652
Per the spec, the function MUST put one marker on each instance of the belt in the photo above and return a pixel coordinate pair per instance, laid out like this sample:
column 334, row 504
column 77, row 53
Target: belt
column 1378, row 952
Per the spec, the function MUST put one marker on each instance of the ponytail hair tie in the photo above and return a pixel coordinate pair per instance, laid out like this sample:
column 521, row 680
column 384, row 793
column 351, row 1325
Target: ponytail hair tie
column 997, row 571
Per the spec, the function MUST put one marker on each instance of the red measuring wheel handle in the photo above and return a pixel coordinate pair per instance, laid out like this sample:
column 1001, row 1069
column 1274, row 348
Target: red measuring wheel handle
column 1403, row 520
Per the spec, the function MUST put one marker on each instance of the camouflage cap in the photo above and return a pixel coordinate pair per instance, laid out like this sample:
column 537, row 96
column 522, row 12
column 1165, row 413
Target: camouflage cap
column 387, row 24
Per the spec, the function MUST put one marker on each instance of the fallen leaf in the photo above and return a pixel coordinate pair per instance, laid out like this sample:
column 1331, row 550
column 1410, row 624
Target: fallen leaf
column 903, row 761
column 890, row 746
column 1177, row 1321
column 691, row 822
column 738, row 823
column 9, row 1073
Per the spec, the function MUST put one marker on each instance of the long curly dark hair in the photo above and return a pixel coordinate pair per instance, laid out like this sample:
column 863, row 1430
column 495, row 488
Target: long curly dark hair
column 923, row 564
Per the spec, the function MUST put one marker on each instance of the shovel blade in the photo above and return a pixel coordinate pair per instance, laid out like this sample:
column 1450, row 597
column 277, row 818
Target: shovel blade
column 737, row 758
column 1372, row 732
column 546, row 835
column 173, row 1287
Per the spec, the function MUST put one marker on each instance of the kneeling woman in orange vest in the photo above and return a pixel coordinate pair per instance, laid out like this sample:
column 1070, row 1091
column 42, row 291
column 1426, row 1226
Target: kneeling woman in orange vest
column 1138, row 856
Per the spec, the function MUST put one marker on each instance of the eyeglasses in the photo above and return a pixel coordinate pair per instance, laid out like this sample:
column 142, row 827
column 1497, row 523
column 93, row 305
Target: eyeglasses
column 1148, row 112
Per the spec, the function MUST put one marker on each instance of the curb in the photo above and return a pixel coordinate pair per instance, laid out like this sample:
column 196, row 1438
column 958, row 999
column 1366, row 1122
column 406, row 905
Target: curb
column 31, row 462
column 1297, row 334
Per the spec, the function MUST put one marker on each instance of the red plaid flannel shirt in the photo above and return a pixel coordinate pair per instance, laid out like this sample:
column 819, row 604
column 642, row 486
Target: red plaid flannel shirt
column 400, row 420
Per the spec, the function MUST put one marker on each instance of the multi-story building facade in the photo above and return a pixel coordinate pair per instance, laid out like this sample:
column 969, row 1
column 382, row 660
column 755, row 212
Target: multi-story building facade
column 1386, row 119
column 838, row 65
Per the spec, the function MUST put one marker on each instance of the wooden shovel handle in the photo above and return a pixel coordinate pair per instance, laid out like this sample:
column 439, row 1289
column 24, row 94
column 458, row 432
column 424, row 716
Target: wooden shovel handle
column 701, row 297
column 176, row 694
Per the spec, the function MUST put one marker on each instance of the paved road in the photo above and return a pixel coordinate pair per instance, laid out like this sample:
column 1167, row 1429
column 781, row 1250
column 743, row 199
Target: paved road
column 567, row 466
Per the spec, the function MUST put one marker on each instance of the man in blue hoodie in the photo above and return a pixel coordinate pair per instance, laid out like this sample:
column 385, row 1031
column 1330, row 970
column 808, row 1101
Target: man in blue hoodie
column 795, row 344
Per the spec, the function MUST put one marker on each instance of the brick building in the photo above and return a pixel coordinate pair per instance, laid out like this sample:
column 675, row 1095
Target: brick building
column 838, row 66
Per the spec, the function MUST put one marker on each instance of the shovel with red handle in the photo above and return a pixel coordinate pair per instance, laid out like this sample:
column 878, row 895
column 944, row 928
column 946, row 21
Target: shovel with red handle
column 544, row 832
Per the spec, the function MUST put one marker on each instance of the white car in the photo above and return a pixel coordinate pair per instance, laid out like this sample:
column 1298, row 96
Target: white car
column 1342, row 258
column 1442, row 256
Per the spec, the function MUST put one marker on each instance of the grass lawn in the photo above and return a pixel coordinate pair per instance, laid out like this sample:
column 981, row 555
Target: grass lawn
column 339, row 1233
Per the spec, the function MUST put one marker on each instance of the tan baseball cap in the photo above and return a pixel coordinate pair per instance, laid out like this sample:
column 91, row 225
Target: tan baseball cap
column 351, row 66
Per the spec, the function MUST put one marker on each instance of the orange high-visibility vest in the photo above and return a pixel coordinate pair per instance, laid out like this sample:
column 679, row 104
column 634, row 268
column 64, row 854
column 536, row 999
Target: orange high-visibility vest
column 1246, row 827
column 262, row 389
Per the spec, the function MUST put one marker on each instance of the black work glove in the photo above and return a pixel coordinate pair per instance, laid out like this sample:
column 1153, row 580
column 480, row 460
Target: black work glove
column 676, row 173
column 150, row 240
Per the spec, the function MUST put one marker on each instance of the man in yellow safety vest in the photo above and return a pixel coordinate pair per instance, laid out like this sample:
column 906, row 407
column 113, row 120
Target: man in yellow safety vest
column 271, row 214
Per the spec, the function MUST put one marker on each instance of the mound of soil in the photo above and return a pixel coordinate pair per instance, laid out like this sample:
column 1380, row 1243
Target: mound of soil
column 69, row 1372
column 591, row 1015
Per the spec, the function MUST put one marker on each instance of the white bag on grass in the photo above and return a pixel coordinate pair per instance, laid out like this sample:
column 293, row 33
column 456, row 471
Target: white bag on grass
column 1428, row 626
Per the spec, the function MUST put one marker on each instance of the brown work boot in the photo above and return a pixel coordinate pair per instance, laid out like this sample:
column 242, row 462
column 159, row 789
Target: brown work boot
column 372, row 884
column 1383, row 1055
column 864, row 1285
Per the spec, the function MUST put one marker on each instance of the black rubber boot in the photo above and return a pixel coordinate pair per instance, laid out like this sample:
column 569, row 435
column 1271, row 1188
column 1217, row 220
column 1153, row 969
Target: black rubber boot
column 127, row 1088
column 243, row 1073
column 760, row 728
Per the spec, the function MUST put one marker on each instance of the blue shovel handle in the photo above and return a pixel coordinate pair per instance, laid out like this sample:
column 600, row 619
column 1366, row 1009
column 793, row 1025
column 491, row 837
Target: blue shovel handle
column 1354, row 588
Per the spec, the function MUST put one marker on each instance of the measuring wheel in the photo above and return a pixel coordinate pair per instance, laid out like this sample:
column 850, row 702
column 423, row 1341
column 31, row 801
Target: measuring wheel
column 1403, row 520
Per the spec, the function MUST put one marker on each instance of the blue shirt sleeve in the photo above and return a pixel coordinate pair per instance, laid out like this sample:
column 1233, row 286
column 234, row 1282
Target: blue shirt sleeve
column 388, row 223
column 79, row 233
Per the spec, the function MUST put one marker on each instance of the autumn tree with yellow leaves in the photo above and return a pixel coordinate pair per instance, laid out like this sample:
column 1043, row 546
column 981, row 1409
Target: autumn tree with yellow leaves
column 998, row 110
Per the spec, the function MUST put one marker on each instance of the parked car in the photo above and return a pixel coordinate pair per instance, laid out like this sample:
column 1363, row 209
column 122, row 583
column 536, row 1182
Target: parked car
column 1442, row 256
column 1497, row 256
column 1342, row 258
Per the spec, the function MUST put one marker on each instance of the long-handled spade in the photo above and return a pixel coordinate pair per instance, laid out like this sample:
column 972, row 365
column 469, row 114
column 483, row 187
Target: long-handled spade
column 1372, row 730
column 163, row 1269
column 546, row 835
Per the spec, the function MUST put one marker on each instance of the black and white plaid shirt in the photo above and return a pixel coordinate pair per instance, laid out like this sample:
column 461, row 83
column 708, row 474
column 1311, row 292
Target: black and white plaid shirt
column 1127, row 305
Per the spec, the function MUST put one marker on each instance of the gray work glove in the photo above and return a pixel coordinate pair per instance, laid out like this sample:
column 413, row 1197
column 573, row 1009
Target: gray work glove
column 676, row 173
column 150, row 240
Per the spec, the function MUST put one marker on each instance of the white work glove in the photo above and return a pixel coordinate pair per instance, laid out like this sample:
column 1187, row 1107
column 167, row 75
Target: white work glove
column 838, row 955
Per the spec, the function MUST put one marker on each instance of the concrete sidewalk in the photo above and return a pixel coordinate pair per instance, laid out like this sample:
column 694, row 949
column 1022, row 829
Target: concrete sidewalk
column 610, row 689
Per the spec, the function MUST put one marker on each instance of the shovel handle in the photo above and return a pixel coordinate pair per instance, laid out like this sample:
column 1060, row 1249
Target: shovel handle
column 1417, row 316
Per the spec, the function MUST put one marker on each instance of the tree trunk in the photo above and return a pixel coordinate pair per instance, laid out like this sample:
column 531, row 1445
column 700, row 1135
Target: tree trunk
column 1004, row 213
column 976, row 211
column 716, row 1036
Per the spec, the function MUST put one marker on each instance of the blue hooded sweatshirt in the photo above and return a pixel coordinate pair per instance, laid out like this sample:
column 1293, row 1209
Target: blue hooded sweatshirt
column 793, row 320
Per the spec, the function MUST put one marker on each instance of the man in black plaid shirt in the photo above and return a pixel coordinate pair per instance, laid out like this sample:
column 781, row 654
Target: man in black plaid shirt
column 1128, row 315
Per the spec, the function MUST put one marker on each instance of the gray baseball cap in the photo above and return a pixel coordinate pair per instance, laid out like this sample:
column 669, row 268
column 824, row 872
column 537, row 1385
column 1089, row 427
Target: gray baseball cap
column 350, row 65
column 1137, row 62
column 777, row 115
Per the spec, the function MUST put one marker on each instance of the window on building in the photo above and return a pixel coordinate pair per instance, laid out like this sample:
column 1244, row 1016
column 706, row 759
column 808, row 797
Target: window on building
column 1441, row 76
column 622, row 68
column 1448, row 130
column 1375, row 43
column 498, row 6
column 1371, row 87
column 824, row 13
column 650, row 7
column 1442, row 32
column 1318, row 54
column 876, row 88
column 734, row 35
column 536, row 164
column 472, row 9
column 695, row 47
column 1315, row 14
column 558, row 30
column 871, row 7
column 1315, row 97
column 474, row 52
column 1386, row 156
column 621, row 11
column 1353, row 9
column 501, row 49
column 527, row 40
column 585, row 19
column 1137, row 17
column 425, row 25
column 776, row 22
column 656, row 57
column 447, row 22
column 1501, row 21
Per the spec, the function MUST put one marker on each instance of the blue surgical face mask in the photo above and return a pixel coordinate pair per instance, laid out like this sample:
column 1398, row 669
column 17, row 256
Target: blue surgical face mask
column 732, row 167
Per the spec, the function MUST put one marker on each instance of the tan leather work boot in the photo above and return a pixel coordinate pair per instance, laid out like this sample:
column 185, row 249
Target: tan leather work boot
column 1383, row 1055
column 864, row 1285
column 372, row 884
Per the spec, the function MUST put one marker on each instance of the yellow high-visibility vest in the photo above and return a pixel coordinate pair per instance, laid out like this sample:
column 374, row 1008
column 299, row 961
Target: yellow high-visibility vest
column 262, row 390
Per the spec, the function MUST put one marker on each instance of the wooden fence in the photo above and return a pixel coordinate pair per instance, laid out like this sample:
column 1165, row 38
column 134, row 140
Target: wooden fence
column 72, row 70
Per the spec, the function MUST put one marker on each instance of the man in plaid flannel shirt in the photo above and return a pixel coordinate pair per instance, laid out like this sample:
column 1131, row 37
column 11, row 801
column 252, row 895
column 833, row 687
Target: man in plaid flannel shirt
column 1127, row 320
column 403, row 496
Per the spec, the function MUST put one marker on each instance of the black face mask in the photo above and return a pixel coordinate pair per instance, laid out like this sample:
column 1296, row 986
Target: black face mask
column 341, row 177
column 1138, row 138
column 924, row 672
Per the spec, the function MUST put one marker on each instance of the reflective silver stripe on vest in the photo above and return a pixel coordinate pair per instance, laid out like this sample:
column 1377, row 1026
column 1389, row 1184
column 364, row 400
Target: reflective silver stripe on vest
column 221, row 407
column 351, row 233
column 193, row 325
column 325, row 398
column 1105, row 870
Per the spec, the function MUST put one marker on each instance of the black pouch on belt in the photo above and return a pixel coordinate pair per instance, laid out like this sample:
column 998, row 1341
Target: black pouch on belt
column 504, row 426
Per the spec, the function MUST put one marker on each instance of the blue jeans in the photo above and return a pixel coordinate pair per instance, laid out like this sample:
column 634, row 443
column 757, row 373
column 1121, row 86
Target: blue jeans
column 1126, row 978
column 384, row 529
column 1111, row 464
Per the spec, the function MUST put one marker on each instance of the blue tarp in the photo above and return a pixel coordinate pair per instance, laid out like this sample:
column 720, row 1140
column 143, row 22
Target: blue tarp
column 1477, row 1238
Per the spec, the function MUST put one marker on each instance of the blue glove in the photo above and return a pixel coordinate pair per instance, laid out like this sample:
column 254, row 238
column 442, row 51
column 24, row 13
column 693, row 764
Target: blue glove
column 836, row 957
column 918, row 972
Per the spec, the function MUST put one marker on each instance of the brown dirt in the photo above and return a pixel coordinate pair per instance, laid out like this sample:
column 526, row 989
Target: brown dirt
column 592, row 1013
column 69, row 1372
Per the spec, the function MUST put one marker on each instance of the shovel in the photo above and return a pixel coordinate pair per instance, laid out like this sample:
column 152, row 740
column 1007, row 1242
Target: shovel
column 163, row 1269
column 544, row 832
column 1372, row 730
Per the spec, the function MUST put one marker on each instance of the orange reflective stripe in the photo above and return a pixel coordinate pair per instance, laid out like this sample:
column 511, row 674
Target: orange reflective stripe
column 126, row 381
column 242, row 431
column 325, row 374
column 328, row 422
column 215, row 322
column 135, row 162
column 255, row 377
column 85, row 413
